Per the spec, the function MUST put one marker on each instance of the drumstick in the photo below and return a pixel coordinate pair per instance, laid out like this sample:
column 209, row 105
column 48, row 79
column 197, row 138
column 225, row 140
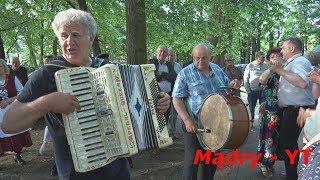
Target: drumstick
column 204, row 130
column 233, row 89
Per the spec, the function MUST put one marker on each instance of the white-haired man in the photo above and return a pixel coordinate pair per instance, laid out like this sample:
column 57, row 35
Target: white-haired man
column 76, row 31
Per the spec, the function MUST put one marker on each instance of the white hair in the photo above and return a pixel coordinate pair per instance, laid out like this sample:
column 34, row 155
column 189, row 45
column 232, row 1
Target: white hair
column 73, row 16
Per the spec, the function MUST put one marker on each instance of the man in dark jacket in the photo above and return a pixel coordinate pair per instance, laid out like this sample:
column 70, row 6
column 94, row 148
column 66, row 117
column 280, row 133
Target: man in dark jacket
column 19, row 71
column 165, row 73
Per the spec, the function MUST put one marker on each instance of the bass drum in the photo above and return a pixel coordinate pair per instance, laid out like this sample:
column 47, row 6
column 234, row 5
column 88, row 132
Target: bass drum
column 226, row 117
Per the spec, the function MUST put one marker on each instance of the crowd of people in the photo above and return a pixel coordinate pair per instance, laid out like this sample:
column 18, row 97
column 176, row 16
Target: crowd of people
column 284, row 81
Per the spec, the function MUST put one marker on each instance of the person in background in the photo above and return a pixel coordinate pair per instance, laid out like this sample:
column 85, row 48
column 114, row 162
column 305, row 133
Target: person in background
column 19, row 71
column 47, row 59
column 104, row 57
column 172, row 58
column 165, row 74
column 269, row 117
column 75, row 30
column 232, row 71
column 317, row 48
column 251, row 81
column 10, row 87
column 173, row 113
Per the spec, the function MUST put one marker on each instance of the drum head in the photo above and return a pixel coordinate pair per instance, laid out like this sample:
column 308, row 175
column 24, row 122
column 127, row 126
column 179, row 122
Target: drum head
column 214, row 115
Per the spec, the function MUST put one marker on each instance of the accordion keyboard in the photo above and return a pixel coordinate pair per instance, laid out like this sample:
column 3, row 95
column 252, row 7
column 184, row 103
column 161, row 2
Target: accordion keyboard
column 118, row 115
column 93, row 127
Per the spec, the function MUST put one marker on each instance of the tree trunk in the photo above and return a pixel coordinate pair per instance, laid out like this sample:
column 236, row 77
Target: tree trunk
column 242, row 51
column 278, row 35
column 305, row 49
column 245, row 50
column 95, row 46
column 41, row 48
column 212, row 39
column 136, row 32
column 32, row 56
column 271, row 40
column 2, row 53
column 253, row 48
column 258, row 39
column 55, row 47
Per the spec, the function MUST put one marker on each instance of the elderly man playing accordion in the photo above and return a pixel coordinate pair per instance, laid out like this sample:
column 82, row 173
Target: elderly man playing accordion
column 194, row 83
column 76, row 31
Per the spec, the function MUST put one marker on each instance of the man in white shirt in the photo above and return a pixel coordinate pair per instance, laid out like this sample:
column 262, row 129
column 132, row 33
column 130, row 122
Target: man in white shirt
column 251, row 81
column 295, row 91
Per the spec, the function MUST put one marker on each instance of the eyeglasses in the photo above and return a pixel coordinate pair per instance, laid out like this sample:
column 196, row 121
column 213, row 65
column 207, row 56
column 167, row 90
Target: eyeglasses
column 74, row 35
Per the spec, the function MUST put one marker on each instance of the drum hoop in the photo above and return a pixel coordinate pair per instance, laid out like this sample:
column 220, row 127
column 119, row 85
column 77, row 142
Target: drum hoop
column 230, row 125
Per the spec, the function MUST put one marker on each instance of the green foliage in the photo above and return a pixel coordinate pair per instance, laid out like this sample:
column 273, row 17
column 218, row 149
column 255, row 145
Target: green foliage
column 179, row 24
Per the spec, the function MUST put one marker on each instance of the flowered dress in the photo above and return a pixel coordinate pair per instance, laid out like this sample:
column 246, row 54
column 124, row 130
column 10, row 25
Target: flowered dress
column 268, row 142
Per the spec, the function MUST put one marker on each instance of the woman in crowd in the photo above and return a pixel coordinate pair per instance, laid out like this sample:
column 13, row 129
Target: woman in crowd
column 10, row 86
column 267, row 144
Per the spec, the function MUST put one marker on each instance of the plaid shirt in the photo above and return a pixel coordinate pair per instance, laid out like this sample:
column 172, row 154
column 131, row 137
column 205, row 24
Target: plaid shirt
column 194, row 86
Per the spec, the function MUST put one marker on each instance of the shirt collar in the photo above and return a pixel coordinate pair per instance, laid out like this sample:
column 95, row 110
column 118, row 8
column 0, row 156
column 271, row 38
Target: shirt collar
column 89, row 64
column 293, row 57
column 210, row 68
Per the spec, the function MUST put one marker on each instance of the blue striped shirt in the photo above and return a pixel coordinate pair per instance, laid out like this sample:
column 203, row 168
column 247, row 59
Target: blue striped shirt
column 194, row 86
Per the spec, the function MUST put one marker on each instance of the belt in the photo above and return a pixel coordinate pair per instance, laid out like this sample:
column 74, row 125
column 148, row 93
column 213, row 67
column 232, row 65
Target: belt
column 297, row 106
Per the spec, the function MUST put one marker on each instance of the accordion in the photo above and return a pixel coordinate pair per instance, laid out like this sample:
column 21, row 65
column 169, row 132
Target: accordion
column 118, row 116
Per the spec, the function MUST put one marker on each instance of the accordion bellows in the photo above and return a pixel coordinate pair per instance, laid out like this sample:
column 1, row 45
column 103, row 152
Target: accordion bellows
column 118, row 116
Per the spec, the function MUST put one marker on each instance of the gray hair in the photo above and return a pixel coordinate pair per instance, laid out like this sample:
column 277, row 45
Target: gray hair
column 162, row 47
column 72, row 16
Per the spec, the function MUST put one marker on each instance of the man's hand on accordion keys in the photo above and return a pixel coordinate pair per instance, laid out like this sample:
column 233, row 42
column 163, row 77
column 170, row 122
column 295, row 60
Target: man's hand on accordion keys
column 163, row 103
column 63, row 103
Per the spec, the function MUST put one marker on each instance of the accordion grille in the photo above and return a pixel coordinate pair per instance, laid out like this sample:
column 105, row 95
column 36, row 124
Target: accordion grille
column 155, row 92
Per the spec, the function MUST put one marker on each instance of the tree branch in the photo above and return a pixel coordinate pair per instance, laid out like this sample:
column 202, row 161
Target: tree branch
column 15, row 40
column 14, row 26
column 70, row 4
